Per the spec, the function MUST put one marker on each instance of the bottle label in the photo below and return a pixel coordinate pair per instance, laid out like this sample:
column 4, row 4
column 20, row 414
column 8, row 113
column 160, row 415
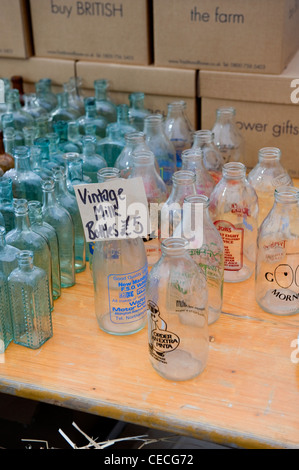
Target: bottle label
column 127, row 296
column 211, row 262
column 233, row 240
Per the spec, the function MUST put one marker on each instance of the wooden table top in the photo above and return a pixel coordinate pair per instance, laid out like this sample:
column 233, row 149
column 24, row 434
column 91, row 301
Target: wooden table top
column 248, row 395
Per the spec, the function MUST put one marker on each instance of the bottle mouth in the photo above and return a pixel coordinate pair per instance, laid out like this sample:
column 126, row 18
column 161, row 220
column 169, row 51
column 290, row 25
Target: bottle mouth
column 287, row 194
column 20, row 206
column 203, row 136
column 71, row 156
column 25, row 258
column 184, row 177
column 134, row 136
column 269, row 153
column 153, row 119
column 22, row 151
column 226, row 111
column 48, row 185
column 198, row 199
column 174, row 246
column 180, row 104
column 234, row 170
column 190, row 154
column 107, row 174
column 144, row 157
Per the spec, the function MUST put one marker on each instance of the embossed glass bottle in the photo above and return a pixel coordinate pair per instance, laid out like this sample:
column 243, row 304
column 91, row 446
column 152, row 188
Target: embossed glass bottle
column 119, row 276
column 267, row 175
column 61, row 221
column 6, row 332
column 227, row 137
column 105, row 107
column 38, row 225
column 69, row 202
column 192, row 159
column 24, row 238
column 30, row 303
column 134, row 141
column 6, row 203
column 178, row 128
column 212, row 158
column 178, row 335
column 91, row 161
column 234, row 212
column 137, row 110
column 164, row 150
column 277, row 262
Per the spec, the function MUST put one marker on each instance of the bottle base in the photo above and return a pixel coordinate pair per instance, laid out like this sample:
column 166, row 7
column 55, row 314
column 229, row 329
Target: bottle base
column 180, row 365
column 276, row 303
column 238, row 276
column 107, row 326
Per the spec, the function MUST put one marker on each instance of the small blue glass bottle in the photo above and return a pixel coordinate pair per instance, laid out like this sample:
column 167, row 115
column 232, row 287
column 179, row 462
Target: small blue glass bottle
column 6, row 203
column 21, row 118
column 8, row 122
column 30, row 303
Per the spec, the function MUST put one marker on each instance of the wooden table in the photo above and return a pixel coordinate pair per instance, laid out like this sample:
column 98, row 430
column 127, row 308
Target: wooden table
column 248, row 395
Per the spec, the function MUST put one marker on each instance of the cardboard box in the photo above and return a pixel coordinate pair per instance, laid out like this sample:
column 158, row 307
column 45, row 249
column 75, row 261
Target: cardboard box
column 106, row 31
column 160, row 85
column 255, row 36
column 15, row 31
column 267, row 110
column 35, row 68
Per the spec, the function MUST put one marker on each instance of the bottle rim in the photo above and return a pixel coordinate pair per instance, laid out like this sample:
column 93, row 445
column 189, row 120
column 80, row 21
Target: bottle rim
column 180, row 104
column 204, row 135
column 184, row 177
column 142, row 157
column 107, row 174
column 48, row 185
column 287, row 194
column 234, row 170
column 174, row 246
column 191, row 153
column 269, row 153
column 21, row 151
column 25, row 257
column 226, row 110
column 134, row 136
column 198, row 199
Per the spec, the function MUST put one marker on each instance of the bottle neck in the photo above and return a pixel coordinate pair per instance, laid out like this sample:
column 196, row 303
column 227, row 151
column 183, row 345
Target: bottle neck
column 29, row 136
column 60, row 182
column 183, row 185
column 202, row 137
column 134, row 140
column 286, row 196
column 22, row 221
column 48, row 188
column 192, row 160
column 137, row 100
column 269, row 156
column 100, row 87
column 174, row 247
column 89, row 146
column 234, row 171
column 176, row 109
column 123, row 114
column 22, row 159
column 225, row 115
column 108, row 174
column 35, row 213
column 74, row 167
column 25, row 260
column 153, row 125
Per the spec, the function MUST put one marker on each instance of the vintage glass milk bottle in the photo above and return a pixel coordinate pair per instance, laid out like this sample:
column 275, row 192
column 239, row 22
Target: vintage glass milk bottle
column 38, row 225
column 6, row 332
column 227, row 137
column 178, row 128
column 30, row 303
column 192, row 159
column 209, row 256
column 212, row 158
column 119, row 276
column 277, row 263
column 137, row 110
column 267, row 175
column 60, row 219
column 177, row 314
column 104, row 105
column 164, row 150
column 134, row 141
column 6, row 203
column 234, row 211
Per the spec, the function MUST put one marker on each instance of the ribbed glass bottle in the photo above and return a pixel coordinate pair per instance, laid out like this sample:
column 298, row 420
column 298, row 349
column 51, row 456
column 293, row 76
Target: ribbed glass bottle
column 6, row 332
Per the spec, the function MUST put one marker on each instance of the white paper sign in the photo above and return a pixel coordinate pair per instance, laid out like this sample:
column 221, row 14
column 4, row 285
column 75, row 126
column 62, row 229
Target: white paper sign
column 117, row 209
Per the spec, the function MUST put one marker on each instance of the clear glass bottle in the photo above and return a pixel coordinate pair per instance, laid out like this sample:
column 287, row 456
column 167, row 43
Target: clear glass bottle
column 24, row 238
column 73, row 134
column 234, row 212
column 44, row 94
column 119, row 277
column 55, row 154
column 178, row 335
column 164, row 150
column 8, row 254
column 192, row 159
column 92, row 162
column 65, row 145
column 183, row 185
column 61, row 221
column 69, row 202
column 30, row 134
column 227, row 137
column 63, row 110
column 6, row 332
column 137, row 110
column 212, row 158
column 38, row 166
column 74, row 90
column 277, row 262
column 267, row 175
column 104, row 105
column 8, row 122
column 209, row 256
column 91, row 117
column 21, row 118
column 25, row 183
column 111, row 146
column 74, row 171
column 6, row 203
column 41, row 227
column 178, row 128
column 156, row 193
column 6, row 160
column 43, row 126
column 32, row 107
column 134, row 141
column 30, row 303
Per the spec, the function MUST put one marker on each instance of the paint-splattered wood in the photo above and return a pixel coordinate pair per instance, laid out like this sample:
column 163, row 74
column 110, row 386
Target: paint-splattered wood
column 248, row 395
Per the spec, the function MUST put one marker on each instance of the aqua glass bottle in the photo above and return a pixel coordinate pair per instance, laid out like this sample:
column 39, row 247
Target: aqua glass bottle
column 25, row 183
column 63, row 111
column 61, row 221
column 178, row 334
column 91, row 117
column 41, row 227
column 61, row 129
column 44, row 144
column 137, row 110
column 192, row 159
column 134, row 141
column 69, row 202
column 37, row 164
column 227, row 137
column 30, row 134
column 74, row 171
column 21, row 118
column 110, row 147
column 30, row 303
column 119, row 277
column 43, row 126
column 73, row 135
column 8, row 254
column 55, row 153
column 32, row 107
column 123, row 125
column 162, row 148
column 44, row 94
column 212, row 158
column 6, row 331
column 6, row 203
column 92, row 162
column 24, row 238
column 74, row 90
column 9, row 140
column 8, row 122
column 104, row 105
column 178, row 128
